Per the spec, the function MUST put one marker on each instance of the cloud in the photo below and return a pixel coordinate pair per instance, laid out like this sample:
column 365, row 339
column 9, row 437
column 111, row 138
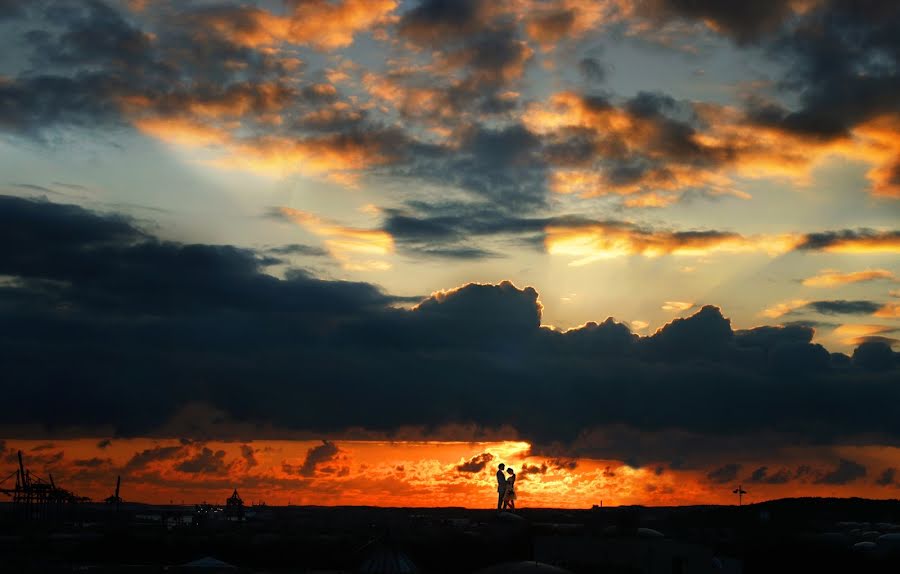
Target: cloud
column 298, row 249
column 141, row 460
column 590, row 242
column 847, row 471
column 357, row 249
column 475, row 464
column 874, row 356
column 828, row 307
column 206, row 461
column 320, row 23
column 592, row 70
column 724, row 474
column 855, row 333
column 249, row 455
column 852, row 241
column 761, row 475
column 677, row 306
column 843, row 307
column 315, row 457
column 887, row 477
column 890, row 310
column 97, row 301
column 781, row 309
column 438, row 21
column 834, row 278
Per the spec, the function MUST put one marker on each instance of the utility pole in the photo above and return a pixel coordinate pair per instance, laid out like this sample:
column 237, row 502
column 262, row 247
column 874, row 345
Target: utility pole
column 740, row 492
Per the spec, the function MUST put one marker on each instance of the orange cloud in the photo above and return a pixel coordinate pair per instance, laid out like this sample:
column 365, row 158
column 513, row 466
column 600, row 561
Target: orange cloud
column 854, row 333
column 356, row 249
column 677, row 306
column 890, row 310
column 322, row 24
column 723, row 145
column 589, row 243
column 834, row 278
column 182, row 131
column 549, row 22
column 339, row 158
column 784, row 308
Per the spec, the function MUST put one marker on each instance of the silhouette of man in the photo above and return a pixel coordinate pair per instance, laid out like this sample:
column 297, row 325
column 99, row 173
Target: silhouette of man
column 501, row 485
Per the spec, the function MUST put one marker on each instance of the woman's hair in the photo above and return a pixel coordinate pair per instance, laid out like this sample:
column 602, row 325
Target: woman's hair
column 510, row 470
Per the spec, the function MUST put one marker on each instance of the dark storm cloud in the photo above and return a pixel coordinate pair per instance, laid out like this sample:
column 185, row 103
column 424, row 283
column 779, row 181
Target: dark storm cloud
column 206, row 461
column 96, row 69
column 141, row 460
column 11, row 8
column 592, row 70
column 249, row 455
column 98, row 310
column 844, row 59
column 298, row 249
column 31, row 105
column 502, row 166
column 875, row 355
column 744, row 21
column 532, row 469
column 448, row 228
column 847, row 471
column 494, row 57
column 847, row 237
column 94, row 33
column 887, row 477
column 762, row 475
column 469, row 37
column 315, row 457
column 438, row 21
column 843, row 307
column 476, row 463
column 724, row 474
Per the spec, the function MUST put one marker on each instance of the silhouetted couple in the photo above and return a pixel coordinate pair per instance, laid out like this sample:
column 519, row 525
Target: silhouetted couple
column 506, row 488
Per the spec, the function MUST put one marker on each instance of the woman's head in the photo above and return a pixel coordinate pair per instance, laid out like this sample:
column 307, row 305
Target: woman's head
column 510, row 471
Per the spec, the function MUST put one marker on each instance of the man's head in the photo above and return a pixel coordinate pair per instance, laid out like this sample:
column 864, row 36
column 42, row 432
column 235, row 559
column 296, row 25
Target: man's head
column 501, row 466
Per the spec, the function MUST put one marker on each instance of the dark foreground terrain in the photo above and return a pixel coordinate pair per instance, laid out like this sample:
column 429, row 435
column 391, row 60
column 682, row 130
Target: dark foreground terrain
column 793, row 535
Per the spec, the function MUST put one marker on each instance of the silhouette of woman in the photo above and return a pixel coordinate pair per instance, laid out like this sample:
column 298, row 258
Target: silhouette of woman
column 509, row 501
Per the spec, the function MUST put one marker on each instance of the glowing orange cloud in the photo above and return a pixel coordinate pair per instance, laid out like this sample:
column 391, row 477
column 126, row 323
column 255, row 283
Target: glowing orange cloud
column 322, row 24
column 854, row 333
column 601, row 241
column 677, row 306
column 784, row 308
column 549, row 22
column 356, row 249
column 338, row 158
column 834, row 278
column 890, row 310
column 730, row 146
column 182, row 131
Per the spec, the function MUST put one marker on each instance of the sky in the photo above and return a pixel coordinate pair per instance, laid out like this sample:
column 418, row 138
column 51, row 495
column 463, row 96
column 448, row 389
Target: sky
column 361, row 251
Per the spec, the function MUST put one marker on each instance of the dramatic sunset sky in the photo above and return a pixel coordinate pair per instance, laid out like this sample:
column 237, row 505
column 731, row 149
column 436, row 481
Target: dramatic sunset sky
column 361, row 251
